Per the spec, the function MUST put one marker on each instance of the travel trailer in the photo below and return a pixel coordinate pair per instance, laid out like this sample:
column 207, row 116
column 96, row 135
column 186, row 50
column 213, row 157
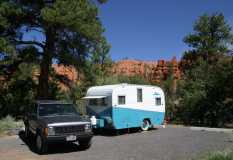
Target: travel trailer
column 125, row 106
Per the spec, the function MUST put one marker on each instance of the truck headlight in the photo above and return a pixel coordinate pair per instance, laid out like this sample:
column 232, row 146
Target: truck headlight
column 51, row 131
column 88, row 127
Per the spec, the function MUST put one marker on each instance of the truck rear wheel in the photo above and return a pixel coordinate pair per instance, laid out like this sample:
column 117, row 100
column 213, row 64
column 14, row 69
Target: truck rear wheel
column 145, row 125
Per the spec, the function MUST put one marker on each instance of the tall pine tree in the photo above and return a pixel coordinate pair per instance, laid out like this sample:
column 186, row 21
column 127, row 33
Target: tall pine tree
column 70, row 31
column 211, row 38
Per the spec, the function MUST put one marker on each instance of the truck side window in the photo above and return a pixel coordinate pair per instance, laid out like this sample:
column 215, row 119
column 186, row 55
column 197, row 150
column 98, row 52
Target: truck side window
column 139, row 95
column 158, row 101
column 121, row 99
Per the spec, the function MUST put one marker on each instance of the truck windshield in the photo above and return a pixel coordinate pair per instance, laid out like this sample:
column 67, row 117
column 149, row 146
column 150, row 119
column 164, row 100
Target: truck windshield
column 56, row 109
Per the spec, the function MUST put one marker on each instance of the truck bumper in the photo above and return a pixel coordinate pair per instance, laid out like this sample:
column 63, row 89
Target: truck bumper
column 63, row 138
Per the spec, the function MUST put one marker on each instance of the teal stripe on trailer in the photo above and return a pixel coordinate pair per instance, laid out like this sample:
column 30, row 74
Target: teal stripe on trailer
column 128, row 118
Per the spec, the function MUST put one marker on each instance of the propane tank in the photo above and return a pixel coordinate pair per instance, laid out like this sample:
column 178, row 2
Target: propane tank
column 93, row 120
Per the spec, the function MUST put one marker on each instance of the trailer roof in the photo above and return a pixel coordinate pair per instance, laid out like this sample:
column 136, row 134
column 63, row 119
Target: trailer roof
column 113, row 86
column 108, row 89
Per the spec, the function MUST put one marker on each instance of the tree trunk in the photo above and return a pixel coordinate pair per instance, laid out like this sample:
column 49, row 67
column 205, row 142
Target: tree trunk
column 43, row 90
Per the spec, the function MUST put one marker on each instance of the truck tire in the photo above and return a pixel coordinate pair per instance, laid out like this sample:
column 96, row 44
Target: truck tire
column 27, row 131
column 28, row 134
column 41, row 145
column 85, row 144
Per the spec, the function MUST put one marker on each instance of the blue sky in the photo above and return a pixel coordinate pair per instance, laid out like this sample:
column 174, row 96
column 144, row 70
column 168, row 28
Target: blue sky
column 154, row 29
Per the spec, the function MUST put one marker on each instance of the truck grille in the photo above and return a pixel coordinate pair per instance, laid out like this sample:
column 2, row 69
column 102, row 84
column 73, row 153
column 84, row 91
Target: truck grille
column 69, row 129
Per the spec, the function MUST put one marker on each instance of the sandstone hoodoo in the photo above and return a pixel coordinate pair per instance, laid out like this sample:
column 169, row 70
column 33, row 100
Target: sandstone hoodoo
column 154, row 71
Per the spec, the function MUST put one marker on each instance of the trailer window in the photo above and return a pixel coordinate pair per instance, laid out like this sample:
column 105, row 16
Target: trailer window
column 158, row 101
column 98, row 102
column 93, row 102
column 121, row 99
column 139, row 95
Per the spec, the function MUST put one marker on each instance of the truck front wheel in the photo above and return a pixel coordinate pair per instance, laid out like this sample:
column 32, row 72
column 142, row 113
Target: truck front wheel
column 41, row 145
column 27, row 131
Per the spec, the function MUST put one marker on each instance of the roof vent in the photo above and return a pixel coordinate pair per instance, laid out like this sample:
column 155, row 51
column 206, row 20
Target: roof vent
column 124, row 84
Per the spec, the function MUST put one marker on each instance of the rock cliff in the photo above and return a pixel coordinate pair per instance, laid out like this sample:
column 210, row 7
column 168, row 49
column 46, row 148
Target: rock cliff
column 153, row 71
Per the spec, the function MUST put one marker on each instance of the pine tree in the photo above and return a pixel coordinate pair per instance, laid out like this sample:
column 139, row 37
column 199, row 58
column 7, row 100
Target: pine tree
column 211, row 37
column 71, row 31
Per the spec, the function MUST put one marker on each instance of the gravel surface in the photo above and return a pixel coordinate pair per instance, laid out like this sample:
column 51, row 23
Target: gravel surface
column 170, row 143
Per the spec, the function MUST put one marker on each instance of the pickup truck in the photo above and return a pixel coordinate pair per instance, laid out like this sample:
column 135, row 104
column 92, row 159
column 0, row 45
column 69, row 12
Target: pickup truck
column 55, row 121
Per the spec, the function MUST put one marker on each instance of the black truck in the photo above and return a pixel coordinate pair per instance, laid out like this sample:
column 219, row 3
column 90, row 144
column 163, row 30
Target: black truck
column 55, row 121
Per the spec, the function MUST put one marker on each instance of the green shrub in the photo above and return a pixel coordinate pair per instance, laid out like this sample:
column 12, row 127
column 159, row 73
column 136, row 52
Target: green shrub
column 226, row 155
column 9, row 123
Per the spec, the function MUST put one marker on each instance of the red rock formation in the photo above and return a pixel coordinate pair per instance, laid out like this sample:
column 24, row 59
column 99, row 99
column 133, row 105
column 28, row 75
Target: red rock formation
column 70, row 74
column 154, row 71
column 133, row 67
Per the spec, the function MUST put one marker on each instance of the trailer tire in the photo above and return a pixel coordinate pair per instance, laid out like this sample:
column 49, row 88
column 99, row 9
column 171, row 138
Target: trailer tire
column 145, row 125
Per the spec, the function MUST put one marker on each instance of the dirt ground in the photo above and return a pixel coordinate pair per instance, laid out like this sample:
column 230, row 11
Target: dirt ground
column 172, row 143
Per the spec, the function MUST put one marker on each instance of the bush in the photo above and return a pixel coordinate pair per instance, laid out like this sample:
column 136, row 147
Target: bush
column 9, row 123
column 18, row 92
column 206, row 97
column 226, row 155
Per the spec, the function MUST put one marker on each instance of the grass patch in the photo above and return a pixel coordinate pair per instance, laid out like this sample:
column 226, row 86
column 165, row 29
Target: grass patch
column 8, row 123
column 225, row 155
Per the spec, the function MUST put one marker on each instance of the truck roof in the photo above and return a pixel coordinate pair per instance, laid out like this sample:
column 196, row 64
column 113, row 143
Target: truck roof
column 51, row 102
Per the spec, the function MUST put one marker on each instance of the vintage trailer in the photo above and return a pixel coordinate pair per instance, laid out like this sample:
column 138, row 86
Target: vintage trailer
column 125, row 106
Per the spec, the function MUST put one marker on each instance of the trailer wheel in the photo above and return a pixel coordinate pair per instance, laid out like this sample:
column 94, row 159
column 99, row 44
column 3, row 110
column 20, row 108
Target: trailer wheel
column 145, row 125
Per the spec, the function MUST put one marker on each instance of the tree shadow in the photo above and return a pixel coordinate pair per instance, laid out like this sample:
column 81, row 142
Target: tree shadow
column 53, row 148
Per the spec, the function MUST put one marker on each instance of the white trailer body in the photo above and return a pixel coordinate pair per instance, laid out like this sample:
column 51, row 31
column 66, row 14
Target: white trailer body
column 126, row 105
